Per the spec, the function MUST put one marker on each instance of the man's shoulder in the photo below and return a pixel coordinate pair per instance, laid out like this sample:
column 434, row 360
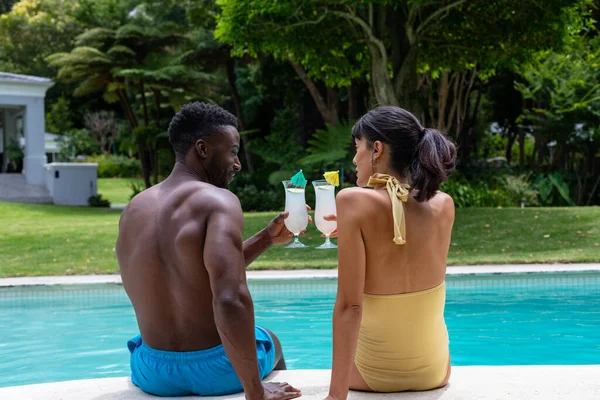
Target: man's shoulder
column 199, row 198
column 208, row 198
column 140, row 203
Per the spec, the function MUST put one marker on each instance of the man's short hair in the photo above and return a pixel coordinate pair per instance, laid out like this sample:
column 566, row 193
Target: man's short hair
column 197, row 121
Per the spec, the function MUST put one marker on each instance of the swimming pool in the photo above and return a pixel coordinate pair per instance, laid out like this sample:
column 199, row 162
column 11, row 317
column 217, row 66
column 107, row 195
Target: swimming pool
column 76, row 332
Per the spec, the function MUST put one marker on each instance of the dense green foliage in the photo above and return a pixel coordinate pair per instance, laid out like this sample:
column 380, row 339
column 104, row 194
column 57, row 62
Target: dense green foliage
column 519, row 95
column 112, row 166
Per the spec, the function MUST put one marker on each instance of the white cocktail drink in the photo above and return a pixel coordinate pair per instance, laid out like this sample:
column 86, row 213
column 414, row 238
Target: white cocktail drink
column 295, row 204
column 325, row 205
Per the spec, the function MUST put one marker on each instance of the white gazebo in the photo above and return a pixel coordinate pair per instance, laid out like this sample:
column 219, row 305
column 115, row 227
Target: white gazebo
column 22, row 110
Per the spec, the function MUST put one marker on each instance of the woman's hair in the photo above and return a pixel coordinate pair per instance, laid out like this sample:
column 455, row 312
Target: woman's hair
column 424, row 153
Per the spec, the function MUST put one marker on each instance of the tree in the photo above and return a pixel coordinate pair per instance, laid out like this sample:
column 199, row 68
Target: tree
column 471, row 45
column 58, row 118
column 6, row 5
column 129, row 65
column 394, row 42
column 563, row 90
column 507, row 107
column 103, row 127
column 214, row 57
column 34, row 29
column 302, row 33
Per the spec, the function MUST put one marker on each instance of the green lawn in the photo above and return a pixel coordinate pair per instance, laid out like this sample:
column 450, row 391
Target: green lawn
column 117, row 190
column 51, row 240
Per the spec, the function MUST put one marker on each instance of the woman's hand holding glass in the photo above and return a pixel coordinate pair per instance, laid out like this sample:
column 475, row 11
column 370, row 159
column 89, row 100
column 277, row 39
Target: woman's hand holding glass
column 331, row 218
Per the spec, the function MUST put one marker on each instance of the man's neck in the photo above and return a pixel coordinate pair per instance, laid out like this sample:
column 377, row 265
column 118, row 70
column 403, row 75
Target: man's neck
column 182, row 172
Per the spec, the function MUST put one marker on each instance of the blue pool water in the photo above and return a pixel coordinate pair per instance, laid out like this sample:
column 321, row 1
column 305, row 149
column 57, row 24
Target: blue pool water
column 64, row 333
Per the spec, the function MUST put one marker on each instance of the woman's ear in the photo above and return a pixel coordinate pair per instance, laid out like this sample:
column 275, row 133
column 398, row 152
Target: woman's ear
column 377, row 149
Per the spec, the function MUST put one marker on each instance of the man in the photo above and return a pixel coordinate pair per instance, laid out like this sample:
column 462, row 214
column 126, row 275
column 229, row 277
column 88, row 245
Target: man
column 182, row 261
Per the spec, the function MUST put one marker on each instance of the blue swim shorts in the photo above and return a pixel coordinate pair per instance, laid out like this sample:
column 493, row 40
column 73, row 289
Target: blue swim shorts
column 205, row 372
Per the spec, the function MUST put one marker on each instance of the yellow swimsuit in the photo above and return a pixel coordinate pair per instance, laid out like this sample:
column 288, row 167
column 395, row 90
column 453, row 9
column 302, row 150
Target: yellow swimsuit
column 403, row 339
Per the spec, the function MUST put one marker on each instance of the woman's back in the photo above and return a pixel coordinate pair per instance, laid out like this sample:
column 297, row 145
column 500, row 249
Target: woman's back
column 389, row 332
column 420, row 263
column 404, row 290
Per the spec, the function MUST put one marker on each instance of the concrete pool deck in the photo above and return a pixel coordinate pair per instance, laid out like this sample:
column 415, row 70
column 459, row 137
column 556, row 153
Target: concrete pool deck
column 467, row 383
column 460, row 270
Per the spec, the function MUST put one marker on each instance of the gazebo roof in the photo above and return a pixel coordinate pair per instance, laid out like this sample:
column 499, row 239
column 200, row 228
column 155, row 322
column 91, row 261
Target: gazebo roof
column 22, row 85
column 16, row 78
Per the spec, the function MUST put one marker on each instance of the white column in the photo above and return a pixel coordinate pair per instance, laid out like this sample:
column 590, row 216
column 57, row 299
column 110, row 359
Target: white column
column 2, row 135
column 2, row 138
column 35, row 156
column 10, row 132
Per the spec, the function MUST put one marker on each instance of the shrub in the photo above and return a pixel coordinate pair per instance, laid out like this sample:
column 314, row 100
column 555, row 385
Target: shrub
column 98, row 201
column 519, row 191
column 553, row 190
column 254, row 199
column 482, row 194
column 136, row 189
column 75, row 143
column 113, row 166
column 257, row 192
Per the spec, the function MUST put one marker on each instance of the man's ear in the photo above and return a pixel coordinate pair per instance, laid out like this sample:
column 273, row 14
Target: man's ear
column 201, row 148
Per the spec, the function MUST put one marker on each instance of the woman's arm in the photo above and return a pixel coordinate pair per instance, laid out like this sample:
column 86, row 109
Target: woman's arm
column 351, row 281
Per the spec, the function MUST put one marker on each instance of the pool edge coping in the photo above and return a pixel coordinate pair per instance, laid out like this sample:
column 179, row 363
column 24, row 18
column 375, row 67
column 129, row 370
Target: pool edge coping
column 269, row 275
column 545, row 382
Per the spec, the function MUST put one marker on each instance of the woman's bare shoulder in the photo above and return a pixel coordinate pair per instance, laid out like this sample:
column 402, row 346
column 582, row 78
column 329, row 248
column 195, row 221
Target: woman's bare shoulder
column 357, row 203
column 443, row 199
column 443, row 204
column 355, row 194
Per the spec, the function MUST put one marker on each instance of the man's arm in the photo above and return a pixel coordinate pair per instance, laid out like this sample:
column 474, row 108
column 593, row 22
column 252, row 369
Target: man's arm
column 274, row 233
column 256, row 245
column 232, row 304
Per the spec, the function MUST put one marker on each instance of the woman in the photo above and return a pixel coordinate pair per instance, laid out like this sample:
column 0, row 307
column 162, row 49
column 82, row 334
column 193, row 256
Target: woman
column 389, row 333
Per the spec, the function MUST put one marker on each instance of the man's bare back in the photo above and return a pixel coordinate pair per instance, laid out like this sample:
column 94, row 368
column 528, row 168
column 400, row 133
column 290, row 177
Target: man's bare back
column 163, row 232
column 182, row 261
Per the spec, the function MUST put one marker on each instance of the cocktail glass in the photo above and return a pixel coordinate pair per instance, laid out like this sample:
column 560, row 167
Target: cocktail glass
column 325, row 193
column 295, row 204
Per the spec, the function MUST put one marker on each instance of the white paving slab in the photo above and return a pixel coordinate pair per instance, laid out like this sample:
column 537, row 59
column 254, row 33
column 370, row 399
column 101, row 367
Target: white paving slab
column 312, row 273
column 577, row 382
column 60, row 280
